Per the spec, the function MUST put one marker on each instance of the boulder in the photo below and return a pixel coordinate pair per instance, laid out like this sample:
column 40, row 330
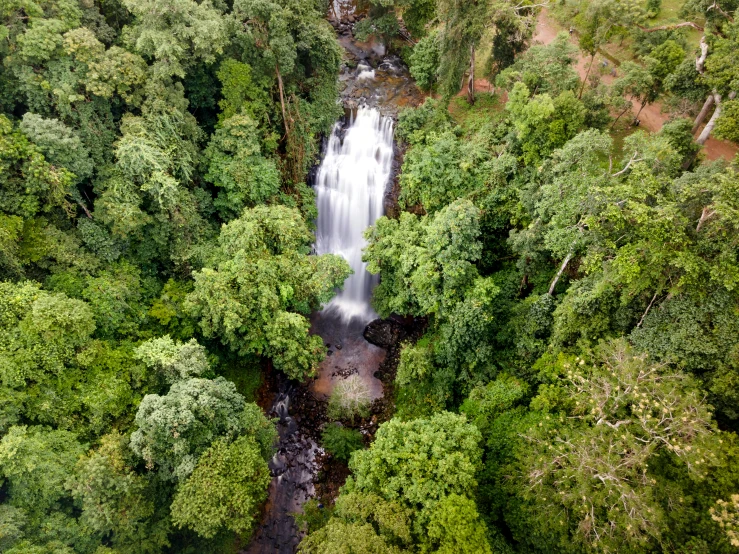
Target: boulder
column 384, row 332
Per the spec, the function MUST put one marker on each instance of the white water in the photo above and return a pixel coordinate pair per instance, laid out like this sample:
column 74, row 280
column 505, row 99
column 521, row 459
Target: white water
column 350, row 187
column 365, row 72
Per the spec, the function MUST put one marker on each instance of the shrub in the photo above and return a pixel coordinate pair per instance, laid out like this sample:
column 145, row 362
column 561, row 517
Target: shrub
column 424, row 61
column 341, row 441
column 350, row 398
column 314, row 516
column 654, row 7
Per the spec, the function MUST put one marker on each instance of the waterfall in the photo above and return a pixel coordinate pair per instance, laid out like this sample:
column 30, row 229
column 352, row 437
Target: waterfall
column 350, row 187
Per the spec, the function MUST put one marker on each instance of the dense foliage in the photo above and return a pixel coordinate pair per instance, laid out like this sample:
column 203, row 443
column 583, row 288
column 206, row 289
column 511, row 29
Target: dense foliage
column 576, row 387
column 152, row 154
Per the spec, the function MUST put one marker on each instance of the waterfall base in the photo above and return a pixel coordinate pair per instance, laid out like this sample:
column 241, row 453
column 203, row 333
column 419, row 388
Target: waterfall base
column 349, row 354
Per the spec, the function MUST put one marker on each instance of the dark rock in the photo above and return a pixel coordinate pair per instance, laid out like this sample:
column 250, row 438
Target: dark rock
column 337, row 346
column 330, row 352
column 384, row 332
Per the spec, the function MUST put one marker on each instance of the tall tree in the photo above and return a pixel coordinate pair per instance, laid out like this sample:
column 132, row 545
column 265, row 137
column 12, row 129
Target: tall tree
column 262, row 285
column 463, row 25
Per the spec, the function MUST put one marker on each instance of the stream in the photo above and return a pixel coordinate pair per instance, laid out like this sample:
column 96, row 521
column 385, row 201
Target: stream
column 353, row 187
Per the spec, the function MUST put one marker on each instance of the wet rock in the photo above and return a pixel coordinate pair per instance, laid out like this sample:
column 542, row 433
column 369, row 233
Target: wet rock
column 384, row 332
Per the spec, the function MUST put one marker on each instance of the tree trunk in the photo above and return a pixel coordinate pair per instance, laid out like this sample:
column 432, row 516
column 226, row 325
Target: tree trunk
column 636, row 117
column 619, row 116
column 559, row 273
column 703, row 113
column 282, row 100
column 587, row 74
column 700, row 61
column 471, row 81
column 671, row 26
column 714, row 118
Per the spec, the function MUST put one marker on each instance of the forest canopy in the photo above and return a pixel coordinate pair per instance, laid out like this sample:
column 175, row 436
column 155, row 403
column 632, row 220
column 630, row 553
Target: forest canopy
column 568, row 276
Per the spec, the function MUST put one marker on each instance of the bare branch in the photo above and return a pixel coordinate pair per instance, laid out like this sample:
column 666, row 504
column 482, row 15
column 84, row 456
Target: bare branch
column 559, row 273
column 647, row 310
column 628, row 165
column 524, row 7
column 705, row 216
column 718, row 8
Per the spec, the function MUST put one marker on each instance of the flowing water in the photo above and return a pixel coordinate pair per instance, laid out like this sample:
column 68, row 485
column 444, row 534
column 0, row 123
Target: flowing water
column 293, row 469
column 350, row 184
column 350, row 188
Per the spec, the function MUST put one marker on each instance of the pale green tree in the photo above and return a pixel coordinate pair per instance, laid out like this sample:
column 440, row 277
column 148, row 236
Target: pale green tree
column 175, row 429
column 183, row 31
column 173, row 359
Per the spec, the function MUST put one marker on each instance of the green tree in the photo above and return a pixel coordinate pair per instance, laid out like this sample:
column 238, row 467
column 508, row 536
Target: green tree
column 595, row 470
column 262, row 282
column 544, row 68
column 424, row 61
column 440, row 169
column 462, row 27
column 726, row 126
column 236, row 166
column 423, row 386
column 289, row 44
column 346, row 538
column 726, row 514
column 458, row 527
column 660, row 63
column 59, row 144
column 36, row 462
column 29, row 183
column 341, row 441
column 42, row 335
column 410, row 488
column 225, row 489
column 542, row 123
column 116, row 502
column 175, row 429
column 427, row 262
column 429, row 448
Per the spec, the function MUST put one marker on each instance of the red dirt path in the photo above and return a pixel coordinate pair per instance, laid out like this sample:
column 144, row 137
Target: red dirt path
column 651, row 116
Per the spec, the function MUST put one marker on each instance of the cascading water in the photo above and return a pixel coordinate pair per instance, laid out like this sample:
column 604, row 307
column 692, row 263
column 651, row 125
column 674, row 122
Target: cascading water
column 350, row 187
